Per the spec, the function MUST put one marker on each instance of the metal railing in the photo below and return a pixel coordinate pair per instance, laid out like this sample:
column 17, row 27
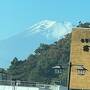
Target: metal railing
column 23, row 83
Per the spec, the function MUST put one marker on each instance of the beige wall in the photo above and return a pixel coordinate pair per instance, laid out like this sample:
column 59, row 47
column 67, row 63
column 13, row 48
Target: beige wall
column 80, row 57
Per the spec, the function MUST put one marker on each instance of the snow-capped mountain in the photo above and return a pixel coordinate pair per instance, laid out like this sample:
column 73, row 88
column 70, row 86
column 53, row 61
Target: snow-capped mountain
column 24, row 43
column 51, row 29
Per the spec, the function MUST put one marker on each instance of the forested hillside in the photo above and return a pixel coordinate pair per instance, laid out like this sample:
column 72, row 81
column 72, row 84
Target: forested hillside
column 38, row 66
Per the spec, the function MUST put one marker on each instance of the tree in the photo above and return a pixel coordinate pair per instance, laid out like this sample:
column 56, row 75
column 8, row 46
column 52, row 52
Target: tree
column 84, row 25
column 14, row 61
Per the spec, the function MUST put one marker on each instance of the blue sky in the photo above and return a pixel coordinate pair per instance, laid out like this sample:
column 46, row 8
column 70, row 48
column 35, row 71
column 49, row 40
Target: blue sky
column 17, row 15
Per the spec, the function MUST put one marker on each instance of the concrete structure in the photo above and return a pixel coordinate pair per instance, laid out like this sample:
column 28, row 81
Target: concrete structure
column 2, row 87
column 80, row 59
column 51, row 87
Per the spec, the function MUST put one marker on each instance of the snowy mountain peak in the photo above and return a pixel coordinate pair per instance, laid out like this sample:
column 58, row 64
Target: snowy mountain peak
column 42, row 25
column 50, row 29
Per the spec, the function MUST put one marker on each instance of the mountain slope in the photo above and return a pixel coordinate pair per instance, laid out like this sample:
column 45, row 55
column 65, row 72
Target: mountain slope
column 24, row 43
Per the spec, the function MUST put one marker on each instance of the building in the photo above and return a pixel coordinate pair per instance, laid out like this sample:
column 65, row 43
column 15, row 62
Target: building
column 80, row 59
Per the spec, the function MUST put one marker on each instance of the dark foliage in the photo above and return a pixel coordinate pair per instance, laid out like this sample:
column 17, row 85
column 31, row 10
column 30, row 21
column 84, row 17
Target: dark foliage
column 38, row 67
column 84, row 25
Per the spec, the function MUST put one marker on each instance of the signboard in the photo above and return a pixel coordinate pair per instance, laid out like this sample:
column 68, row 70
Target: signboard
column 80, row 59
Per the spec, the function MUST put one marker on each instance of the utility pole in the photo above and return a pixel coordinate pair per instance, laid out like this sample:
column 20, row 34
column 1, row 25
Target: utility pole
column 69, row 74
